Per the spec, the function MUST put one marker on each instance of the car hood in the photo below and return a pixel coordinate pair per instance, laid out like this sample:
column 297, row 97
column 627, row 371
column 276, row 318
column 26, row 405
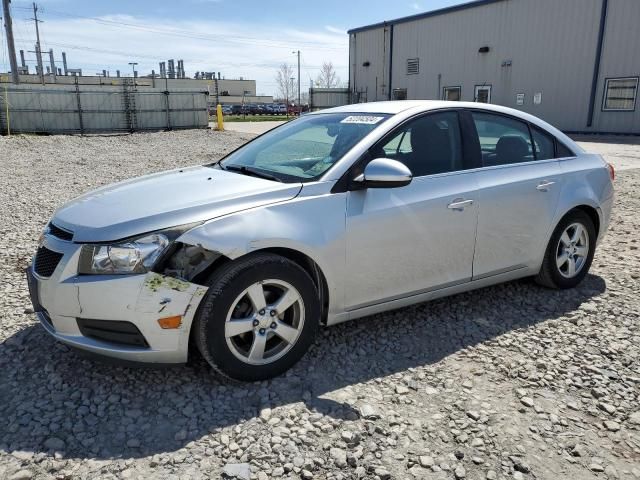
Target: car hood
column 165, row 200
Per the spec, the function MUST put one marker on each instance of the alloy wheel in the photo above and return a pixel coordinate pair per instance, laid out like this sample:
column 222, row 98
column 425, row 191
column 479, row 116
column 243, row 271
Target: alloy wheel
column 264, row 322
column 573, row 250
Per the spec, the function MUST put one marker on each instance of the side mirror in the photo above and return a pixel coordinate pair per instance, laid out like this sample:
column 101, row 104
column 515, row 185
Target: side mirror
column 384, row 173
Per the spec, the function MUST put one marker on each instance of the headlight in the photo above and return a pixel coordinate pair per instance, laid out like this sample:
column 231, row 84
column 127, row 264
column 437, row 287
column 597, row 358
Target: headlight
column 134, row 256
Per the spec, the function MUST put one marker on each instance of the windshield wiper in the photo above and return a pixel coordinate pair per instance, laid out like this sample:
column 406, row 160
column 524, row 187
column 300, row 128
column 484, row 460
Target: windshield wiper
column 250, row 171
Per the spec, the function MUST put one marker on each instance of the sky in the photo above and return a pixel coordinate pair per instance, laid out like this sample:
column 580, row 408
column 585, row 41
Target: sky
column 240, row 38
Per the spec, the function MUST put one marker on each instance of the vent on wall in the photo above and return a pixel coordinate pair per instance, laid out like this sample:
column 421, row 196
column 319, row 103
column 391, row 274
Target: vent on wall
column 399, row 93
column 413, row 66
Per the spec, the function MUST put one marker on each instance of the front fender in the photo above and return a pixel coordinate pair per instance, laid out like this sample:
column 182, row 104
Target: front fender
column 312, row 225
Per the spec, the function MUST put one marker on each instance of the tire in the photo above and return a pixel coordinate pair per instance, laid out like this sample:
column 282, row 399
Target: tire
column 553, row 273
column 234, row 292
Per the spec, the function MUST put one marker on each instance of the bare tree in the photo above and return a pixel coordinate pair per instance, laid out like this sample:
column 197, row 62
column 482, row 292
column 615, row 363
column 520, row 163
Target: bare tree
column 286, row 86
column 327, row 77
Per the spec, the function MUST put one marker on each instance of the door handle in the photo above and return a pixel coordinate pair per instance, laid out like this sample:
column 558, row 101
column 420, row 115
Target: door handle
column 544, row 186
column 459, row 204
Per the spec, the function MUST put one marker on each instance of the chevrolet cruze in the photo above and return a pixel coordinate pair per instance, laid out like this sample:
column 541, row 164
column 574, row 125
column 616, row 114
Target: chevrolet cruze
column 337, row 215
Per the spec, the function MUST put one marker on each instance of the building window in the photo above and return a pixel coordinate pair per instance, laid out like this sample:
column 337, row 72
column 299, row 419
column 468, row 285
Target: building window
column 620, row 94
column 399, row 93
column 452, row 94
column 482, row 94
column 413, row 66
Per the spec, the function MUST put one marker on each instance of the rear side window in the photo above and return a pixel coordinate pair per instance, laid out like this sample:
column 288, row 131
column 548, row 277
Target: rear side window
column 427, row 145
column 503, row 140
column 543, row 144
column 562, row 151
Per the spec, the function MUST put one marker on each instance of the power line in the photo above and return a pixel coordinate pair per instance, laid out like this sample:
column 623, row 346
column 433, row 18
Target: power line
column 273, row 64
column 243, row 40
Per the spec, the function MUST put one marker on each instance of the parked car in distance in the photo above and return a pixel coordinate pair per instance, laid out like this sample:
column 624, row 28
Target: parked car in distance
column 227, row 110
column 336, row 215
column 280, row 109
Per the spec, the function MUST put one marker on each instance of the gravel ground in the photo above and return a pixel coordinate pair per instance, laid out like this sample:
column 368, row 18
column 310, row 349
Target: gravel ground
column 513, row 381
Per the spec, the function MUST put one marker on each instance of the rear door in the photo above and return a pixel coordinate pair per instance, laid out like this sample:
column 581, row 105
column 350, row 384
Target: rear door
column 518, row 191
column 404, row 241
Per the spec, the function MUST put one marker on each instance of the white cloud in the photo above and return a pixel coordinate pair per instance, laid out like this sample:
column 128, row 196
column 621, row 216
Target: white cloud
column 251, row 51
column 416, row 6
column 332, row 29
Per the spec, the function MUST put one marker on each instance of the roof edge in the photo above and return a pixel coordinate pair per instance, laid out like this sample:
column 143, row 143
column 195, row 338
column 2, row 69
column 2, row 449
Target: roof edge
column 419, row 16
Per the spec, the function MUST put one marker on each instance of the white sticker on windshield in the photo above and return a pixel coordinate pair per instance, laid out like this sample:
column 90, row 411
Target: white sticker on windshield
column 362, row 119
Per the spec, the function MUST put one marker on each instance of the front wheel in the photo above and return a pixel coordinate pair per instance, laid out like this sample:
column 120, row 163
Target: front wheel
column 569, row 253
column 258, row 318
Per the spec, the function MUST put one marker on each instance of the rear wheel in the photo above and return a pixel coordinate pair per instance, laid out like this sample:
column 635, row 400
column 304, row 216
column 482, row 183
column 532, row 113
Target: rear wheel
column 569, row 253
column 259, row 317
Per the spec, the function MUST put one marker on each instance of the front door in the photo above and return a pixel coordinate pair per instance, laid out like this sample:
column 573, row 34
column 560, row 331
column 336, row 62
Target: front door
column 408, row 240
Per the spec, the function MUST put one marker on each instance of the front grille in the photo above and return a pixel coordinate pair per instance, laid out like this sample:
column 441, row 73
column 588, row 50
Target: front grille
column 60, row 233
column 122, row 333
column 46, row 261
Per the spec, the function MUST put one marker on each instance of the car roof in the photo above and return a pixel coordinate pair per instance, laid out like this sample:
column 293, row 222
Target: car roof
column 390, row 107
column 411, row 107
column 394, row 107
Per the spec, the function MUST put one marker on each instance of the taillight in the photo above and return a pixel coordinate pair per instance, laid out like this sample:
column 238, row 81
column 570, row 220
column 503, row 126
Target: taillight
column 612, row 171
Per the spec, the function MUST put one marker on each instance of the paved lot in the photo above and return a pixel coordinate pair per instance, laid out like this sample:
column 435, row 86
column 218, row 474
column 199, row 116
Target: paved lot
column 622, row 152
column 508, row 382
column 255, row 128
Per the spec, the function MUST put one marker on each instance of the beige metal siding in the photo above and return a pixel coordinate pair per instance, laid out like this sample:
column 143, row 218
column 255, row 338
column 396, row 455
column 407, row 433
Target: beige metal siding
column 372, row 46
column 620, row 58
column 551, row 54
column 551, row 47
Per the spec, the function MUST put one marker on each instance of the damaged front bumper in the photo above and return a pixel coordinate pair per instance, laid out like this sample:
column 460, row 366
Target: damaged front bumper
column 114, row 315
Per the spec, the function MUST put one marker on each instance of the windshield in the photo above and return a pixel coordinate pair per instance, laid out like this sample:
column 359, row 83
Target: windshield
column 304, row 149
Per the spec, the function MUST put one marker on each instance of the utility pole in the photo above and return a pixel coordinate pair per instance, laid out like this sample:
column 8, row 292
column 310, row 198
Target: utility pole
column 299, row 93
column 38, row 49
column 10, row 44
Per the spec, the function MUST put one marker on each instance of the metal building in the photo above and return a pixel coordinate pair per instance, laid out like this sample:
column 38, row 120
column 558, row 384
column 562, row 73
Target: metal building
column 574, row 63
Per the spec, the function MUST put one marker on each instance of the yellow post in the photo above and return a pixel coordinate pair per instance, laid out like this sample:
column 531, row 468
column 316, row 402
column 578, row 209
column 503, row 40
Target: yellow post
column 220, row 118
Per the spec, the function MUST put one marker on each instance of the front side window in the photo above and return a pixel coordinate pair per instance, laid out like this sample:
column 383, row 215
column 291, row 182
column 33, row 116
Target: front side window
column 503, row 140
column 427, row 145
column 304, row 149
column 452, row 94
column 620, row 94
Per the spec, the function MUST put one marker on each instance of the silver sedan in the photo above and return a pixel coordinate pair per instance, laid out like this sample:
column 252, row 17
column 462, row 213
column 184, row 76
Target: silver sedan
column 334, row 216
